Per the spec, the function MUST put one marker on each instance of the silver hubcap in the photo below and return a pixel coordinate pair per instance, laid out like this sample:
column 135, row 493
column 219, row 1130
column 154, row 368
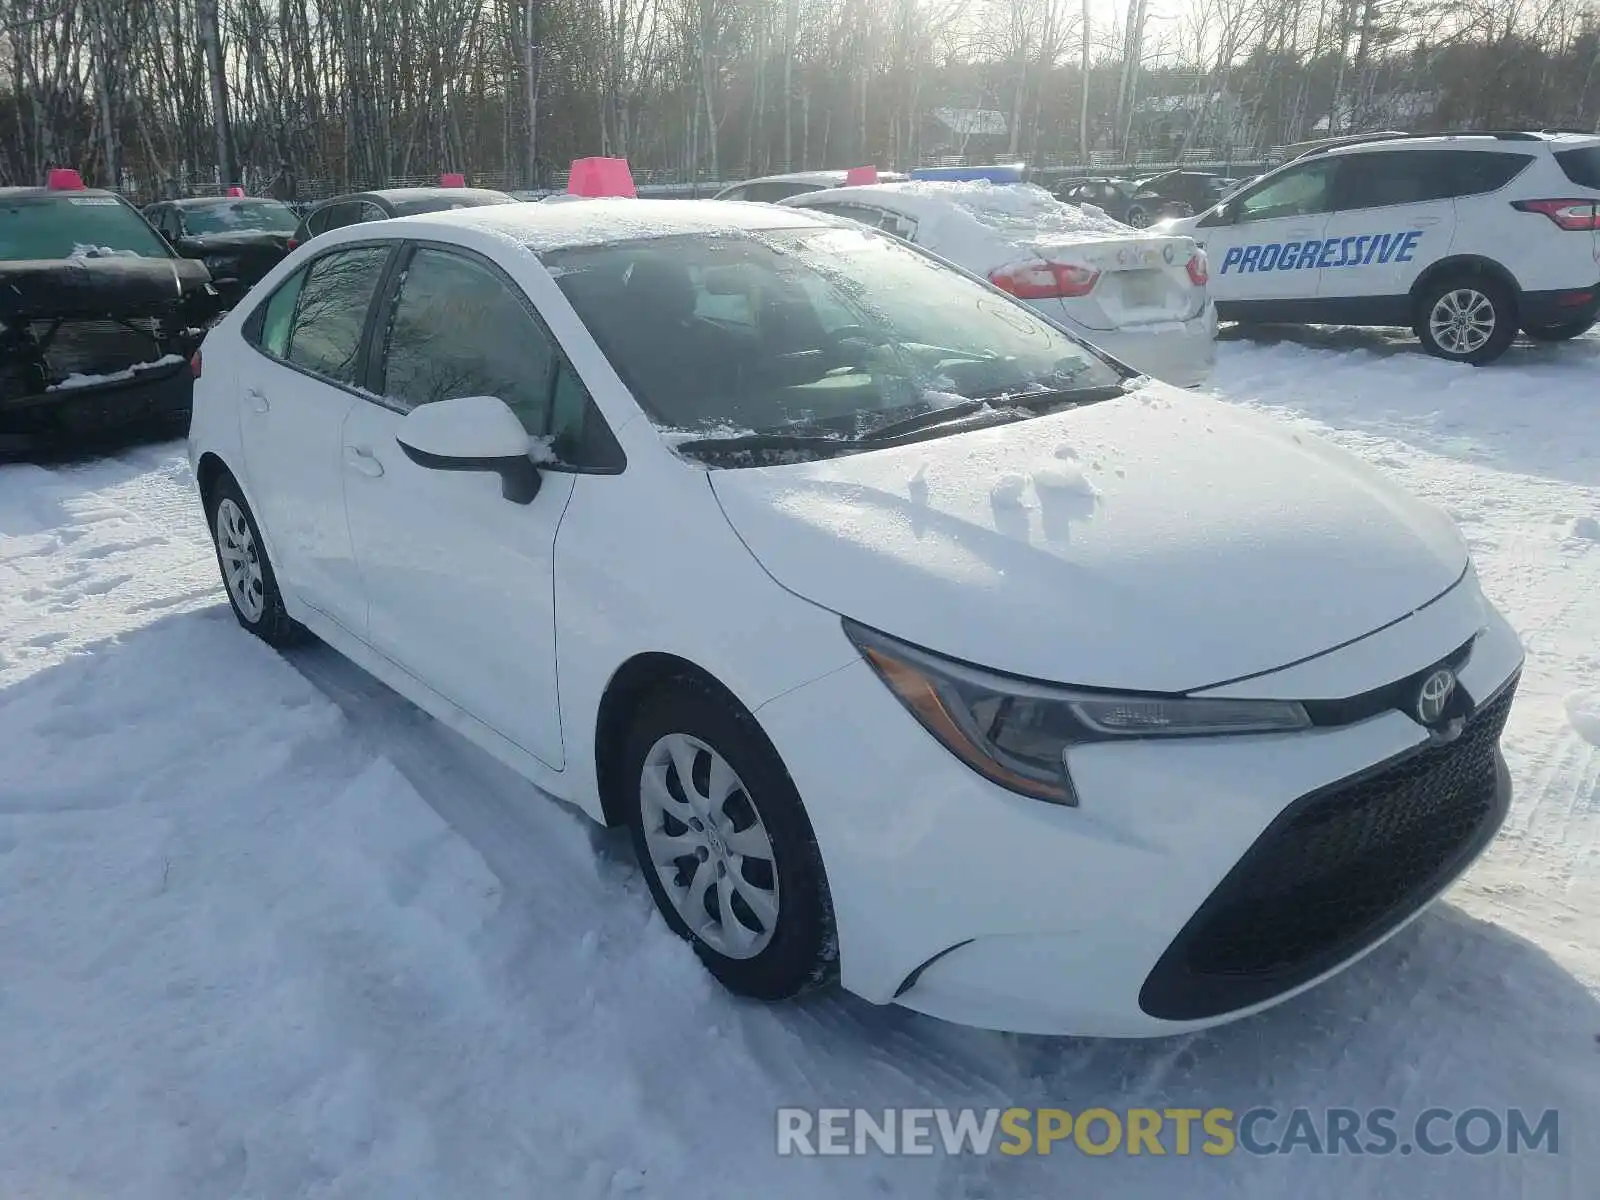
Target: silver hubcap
column 1462, row 321
column 241, row 562
column 708, row 846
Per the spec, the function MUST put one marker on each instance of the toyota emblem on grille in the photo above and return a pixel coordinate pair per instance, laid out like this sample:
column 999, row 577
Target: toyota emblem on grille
column 1434, row 695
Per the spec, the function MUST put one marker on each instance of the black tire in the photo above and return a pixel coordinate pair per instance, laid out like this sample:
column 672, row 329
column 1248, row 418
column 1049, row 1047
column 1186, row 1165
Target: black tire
column 1137, row 217
column 803, row 952
column 273, row 624
column 1479, row 294
column 1559, row 333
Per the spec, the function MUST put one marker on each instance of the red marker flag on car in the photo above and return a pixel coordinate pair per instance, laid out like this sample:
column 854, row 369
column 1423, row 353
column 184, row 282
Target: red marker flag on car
column 452, row 180
column 596, row 177
column 860, row 176
column 64, row 179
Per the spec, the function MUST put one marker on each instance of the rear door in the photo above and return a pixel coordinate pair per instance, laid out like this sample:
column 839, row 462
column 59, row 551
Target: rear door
column 297, row 387
column 1264, row 244
column 1393, row 215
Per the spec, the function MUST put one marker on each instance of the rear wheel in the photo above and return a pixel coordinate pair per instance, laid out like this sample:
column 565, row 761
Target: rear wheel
column 725, row 844
column 1138, row 216
column 1466, row 318
column 1559, row 333
column 246, row 571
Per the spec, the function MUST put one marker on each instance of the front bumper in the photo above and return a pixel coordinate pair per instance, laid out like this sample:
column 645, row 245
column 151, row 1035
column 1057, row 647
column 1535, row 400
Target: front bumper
column 80, row 418
column 970, row 903
column 1181, row 353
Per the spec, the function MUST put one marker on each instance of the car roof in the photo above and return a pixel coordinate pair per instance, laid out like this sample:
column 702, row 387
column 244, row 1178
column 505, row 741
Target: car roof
column 208, row 201
column 1508, row 139
column 545, row 227
column 43, row 193
column 828, row 178
column 401, row 194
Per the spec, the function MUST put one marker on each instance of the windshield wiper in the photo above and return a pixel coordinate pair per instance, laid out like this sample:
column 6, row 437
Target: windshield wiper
column 767, row 445
column 927, row 419
column 1050, row 397
column 993, row 404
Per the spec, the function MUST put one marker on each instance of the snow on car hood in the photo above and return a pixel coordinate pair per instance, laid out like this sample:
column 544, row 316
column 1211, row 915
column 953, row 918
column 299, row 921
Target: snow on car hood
column 1160, row 541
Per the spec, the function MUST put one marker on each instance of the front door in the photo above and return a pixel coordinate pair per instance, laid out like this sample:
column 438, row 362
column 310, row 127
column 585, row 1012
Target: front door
column 295, row 392
column 459, row 580
column 1264, row 244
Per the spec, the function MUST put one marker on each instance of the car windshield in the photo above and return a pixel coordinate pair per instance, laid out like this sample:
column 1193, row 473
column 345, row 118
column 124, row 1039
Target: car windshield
column 834, row 335
column 240, row 216
column 428, row 204
column 47, row 227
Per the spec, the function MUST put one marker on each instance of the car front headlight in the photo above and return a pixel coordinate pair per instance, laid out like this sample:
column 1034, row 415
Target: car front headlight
column 1016, row 732
column 218, row 265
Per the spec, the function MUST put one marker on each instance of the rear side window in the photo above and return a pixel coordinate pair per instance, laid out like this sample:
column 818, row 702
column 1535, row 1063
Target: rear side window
column 1581, row 166
column 458, row 330
column 1477, row 171
column 1395, row 177
column 326, row 333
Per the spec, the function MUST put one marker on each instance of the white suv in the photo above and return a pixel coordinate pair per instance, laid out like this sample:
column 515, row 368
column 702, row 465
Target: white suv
column 1463, row 237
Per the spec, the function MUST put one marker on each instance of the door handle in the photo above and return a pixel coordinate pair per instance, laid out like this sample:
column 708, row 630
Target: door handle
column 1426, row 221
column 362, row 459
column 258, row 399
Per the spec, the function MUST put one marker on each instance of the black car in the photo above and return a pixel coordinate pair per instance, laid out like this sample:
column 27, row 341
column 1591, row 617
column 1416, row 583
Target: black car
column 391, row 202
column 1123, row 200
column 98, row 320
column 239, row 238
column 1200, row 190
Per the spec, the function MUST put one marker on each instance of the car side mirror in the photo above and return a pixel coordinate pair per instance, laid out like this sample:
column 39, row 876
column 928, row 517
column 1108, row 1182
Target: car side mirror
column 472, row 433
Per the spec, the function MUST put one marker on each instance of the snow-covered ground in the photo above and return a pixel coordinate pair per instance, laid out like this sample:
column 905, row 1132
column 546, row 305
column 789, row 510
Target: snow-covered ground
column 267, row 931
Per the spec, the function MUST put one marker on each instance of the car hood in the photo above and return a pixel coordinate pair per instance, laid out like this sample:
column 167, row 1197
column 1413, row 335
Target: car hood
column 1161, row 541
column 113, row 286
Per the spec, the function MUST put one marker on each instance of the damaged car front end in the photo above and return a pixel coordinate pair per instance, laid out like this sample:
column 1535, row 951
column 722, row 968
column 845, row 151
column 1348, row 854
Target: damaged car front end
column 98, row 322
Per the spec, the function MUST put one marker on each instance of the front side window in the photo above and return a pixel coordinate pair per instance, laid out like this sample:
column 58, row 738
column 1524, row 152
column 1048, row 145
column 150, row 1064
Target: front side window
column 332, row 311
column 75, row 226
column 458, row 330
column 1298, row 192
column 853, row 332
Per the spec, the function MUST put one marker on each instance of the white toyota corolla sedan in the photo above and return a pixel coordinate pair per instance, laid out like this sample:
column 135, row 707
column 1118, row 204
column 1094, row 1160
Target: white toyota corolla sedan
column 919, row 646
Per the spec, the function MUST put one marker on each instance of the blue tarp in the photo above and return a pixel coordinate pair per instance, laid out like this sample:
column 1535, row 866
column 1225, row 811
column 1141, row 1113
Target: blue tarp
column 1003, row 174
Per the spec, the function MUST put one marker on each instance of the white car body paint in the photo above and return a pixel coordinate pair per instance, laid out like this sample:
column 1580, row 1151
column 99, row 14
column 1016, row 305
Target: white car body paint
column 1159, row 541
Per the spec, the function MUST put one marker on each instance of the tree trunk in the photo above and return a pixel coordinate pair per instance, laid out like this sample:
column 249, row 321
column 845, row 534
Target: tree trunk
column 211, row 41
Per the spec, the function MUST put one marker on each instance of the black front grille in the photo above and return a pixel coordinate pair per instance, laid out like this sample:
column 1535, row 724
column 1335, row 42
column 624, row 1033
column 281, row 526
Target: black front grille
column 97, row 347
column 1337, row 869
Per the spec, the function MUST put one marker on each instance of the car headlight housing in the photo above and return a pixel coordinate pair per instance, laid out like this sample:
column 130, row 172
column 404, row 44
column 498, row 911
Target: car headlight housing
column 1016, row 732
column 217, row 264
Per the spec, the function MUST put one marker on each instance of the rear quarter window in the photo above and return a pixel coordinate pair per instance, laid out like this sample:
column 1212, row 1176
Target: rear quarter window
column 1581, row 166
column 1478, row 171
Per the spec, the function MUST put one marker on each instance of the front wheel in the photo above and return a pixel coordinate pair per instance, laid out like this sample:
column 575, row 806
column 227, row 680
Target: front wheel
column 1138, row 217
column 1559, row 333
column 725, row 844
column 1469, row 319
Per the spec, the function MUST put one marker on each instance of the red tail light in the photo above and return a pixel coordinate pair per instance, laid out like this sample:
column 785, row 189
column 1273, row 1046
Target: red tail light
column 1041, row 280
column 293, row 242
column 194, row 364
column 1577, row 215
column 1199, row 269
